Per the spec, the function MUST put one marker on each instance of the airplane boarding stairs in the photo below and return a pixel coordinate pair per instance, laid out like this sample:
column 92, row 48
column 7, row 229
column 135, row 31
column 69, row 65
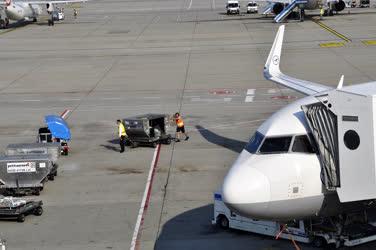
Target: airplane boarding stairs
column 288, row 9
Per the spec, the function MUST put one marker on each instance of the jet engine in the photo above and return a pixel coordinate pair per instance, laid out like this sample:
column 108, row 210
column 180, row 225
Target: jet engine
column 339, row 6
column 277, row 8
column 50, row 8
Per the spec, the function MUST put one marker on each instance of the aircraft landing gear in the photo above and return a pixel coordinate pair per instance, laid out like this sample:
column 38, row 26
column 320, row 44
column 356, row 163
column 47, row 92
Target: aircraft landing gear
column 51, row 22
column 35, row 20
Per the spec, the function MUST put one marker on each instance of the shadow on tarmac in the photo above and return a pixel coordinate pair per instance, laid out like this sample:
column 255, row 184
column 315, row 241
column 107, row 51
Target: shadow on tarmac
column 232, row 144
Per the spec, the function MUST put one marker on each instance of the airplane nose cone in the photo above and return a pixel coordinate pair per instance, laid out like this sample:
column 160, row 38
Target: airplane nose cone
column 246, row 190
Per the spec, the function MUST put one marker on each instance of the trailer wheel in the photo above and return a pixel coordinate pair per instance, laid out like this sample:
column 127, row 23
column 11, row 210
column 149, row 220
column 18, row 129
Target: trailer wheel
column 51, row 177
column 37, row 192
column 223, row 222
column 168, row 141
column 319, row 242
column 21, row 218
column 38, row 211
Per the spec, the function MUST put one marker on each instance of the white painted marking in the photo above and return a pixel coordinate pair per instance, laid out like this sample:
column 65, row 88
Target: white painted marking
column 111, row 98
column 227, row 99
column 190, row 5
column 195, row 99
column 72, row 99
column 249, row 98
column 250, row 91
column 272, row 91
column 31, row 100
column 144, row 198
column 65, row 113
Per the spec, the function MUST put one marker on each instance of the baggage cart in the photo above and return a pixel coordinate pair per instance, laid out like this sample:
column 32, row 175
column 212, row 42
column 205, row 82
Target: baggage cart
column 147, row 129
column 24, row 174
column 18, row 209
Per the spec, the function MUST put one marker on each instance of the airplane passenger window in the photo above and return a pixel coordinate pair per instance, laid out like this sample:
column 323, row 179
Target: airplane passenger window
column 276, row 145
column 302, row 145
column 254, row 143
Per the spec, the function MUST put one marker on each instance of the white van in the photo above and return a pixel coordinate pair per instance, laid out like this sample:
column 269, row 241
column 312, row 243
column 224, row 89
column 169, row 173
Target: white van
column 252, row 7
column 233, row 7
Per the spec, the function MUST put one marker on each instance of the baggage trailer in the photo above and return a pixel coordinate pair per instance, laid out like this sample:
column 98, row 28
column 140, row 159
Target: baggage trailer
column 319, row 232
column 57, row 130
column 147, row 129
column 52, row 149
column 13, row 208
column 24, row 174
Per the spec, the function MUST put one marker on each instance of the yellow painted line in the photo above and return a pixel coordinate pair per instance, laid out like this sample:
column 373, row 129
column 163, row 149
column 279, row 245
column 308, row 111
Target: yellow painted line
column 327, row 28
column 369, row 42
column 332, row 45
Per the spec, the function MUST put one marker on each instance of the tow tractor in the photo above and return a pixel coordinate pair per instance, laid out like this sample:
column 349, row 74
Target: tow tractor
column 319, row 232
column 57, row 130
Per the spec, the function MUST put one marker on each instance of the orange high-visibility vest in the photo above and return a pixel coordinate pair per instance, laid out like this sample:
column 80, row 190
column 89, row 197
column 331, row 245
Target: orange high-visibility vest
column 179, row 122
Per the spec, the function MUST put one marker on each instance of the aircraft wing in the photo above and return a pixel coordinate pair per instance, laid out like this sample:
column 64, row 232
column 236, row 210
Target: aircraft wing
column 273, row 73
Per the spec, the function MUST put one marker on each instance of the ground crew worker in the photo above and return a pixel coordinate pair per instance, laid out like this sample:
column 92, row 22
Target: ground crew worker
column 180, row 128
column 122, row 135
column 321, row 13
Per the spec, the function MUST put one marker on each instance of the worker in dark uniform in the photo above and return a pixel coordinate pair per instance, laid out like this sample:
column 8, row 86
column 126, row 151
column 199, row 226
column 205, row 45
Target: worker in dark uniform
column 122, row 135
column 180, row 129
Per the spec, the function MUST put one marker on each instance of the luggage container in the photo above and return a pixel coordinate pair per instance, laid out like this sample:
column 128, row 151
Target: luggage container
column 24, row 174
column 15, row 208
column 148, row 129
column 52, row 149
column 57, row 130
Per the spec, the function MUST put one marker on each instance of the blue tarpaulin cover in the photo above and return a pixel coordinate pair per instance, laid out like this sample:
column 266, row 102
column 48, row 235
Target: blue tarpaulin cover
column 58, row 127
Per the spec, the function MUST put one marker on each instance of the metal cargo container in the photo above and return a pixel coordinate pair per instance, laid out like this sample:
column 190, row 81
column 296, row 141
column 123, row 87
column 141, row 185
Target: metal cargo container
column 20, row 174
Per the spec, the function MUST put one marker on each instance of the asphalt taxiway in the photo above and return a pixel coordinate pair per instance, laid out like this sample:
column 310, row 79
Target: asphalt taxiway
column 122, row 58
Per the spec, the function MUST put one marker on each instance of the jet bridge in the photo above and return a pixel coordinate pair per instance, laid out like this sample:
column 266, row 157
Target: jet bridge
column 343, row 123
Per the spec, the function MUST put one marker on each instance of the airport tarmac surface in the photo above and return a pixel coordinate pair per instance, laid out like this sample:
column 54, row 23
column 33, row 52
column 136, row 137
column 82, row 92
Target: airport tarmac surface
column 122, row 58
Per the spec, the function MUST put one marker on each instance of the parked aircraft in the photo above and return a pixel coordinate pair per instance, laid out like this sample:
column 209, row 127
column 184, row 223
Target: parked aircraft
column 282, row 8
column 297, row 167
column 27, row 10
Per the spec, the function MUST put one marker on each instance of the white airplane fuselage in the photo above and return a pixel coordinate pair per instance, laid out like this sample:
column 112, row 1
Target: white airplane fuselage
column 276, row 185
column 21, row 11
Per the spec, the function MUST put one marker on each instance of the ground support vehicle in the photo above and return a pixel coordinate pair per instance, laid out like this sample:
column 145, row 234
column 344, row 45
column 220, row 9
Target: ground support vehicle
column 232, row 7
column 148, row 129
column 57, row 130
column 14, row 208
column 24, row 174
column 320, row 232
column 51, row 149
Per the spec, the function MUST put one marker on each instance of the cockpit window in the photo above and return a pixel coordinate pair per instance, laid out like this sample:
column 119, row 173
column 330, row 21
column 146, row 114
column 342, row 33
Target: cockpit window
column 276, row 145
column 254, row 143
column 302, row 145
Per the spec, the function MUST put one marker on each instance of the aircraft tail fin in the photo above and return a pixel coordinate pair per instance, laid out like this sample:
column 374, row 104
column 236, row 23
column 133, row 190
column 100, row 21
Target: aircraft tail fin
column 273, row 73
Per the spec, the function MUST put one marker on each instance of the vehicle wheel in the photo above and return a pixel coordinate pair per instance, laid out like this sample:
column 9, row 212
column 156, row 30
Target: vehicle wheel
column 331, row 13
column 35, row 20
column 154, row 144
column 228, row 12
column 37, row 192
column 168, row 141
column 51, row 177
column 38, row 211
column 223, row 222
column 319, row 242
column 21, row 218
column 55, row 174
column 134, row 144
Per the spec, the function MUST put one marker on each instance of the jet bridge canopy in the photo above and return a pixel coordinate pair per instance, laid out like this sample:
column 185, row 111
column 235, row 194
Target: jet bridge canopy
column 343, row 123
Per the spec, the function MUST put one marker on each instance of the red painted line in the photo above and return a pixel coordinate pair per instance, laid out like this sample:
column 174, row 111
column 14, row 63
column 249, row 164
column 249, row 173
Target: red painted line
column 135, row 244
